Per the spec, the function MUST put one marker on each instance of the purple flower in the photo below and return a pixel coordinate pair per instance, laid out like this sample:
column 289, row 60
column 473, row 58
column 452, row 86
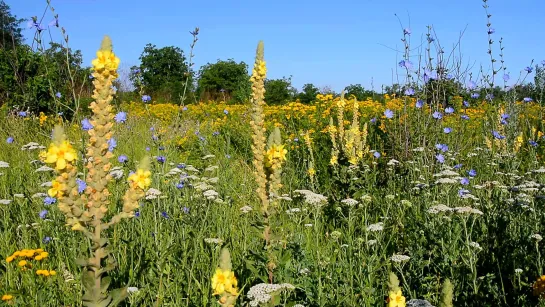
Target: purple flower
column 164, row 214
column 528, row 99
column 154, row 137
column 437, row 115
column 122, row 159
column 215, row 133
column 406, row 64
column 464, row 117
column 447, row 130
column 137, row 214
column 533, row 143
column 427, row 75
column 46, row 240
column 180, row 185
column 389, row 113
column 54, row 22
column 43, row 214
column 136, row 71
column 58, row 95
column 112, row 144
column 376, row 154
column 50, row 200
column 147, row 149
column 506, row 77
column 146, row 98
column 449, row 110
column 505, row 116
column 458, row 166
column 472, row 173
column 81, row 185
column 185, row 209
column 201, row 138
column 10, row 140
column 440, row 158
column 489, row 96
column 409, row 91
column 225, row 112
column 466, row 104
column 475, row 95
column 34, row 24
column 121, row 117
column 497, row 135
column 184, row 109
column 161, row 148
column 22, row 113
column 161, row 159
column 86, row 125
column 373, row 120
column 462, row 192
column 181, row 166
column 464, row 181
column 442, row 147
column 419, row 103
column 528, row 69
column 471, row 85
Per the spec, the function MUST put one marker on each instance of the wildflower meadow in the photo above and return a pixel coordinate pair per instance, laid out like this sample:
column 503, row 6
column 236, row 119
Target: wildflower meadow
column 226, row 188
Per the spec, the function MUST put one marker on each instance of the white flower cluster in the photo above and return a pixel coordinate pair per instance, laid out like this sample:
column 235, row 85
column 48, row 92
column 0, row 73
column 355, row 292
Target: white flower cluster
column 31, row 146
column 312, row 198
column 262, row 293
column 376, row 227
column 400, row 258
column 350, row 202
column 214, row 241
column 153, row 193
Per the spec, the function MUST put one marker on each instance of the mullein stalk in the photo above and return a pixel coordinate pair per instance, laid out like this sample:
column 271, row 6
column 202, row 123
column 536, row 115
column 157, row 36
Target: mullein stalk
column 86, row 212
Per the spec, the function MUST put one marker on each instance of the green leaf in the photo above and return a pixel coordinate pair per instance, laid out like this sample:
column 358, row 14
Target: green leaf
column 118, row 295
column 105, row 283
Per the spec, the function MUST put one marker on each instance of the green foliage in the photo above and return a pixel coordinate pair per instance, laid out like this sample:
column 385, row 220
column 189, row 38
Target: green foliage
column 10, row 28
column 278, row 91
column 224, row 80
column 308, row 94
column 358, row 91
column 164, row 71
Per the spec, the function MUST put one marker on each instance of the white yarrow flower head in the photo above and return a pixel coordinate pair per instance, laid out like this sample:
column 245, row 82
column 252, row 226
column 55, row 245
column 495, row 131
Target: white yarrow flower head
column 246, row 209
column 5, row 201
column 476, row 245
column 518, row 271
column 376, row 227
column 536, row 237
column 262, row 293
column 400, row 258
column 132, row 289
column 350, row 202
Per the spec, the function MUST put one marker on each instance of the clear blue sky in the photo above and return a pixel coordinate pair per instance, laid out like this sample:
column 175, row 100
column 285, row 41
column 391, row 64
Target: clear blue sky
column 327, row 43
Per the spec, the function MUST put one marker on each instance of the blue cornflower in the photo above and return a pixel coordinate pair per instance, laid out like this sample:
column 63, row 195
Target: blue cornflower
column 442, row 147
column 137, row 214
column 181, row 165
column 136, row 71
column 462, row 192
column 164, row 214
column 464, row 181
column 10, row 140
column 185, row 209
column 419, row 103
column 458, row 166
column 46, row 240
column 389, row 113
column 147, row 149
column 161, row 159
column 202, row 138
column 122, row 159
column 528, row 69
column 22, row 113
column 528, row 99
column 43, row 214
column 180, row 185
column 497, row 135
column 406, row 64
column 543, row 62
column 121, row 117
column 146, row 98
column 505, row 116
column 449, row 110
column 431, row 39
column 215, row 133
column 86, row 125
column 489, row 96
column 82, row 185
column 427, row 75
column 225, row 112
column 184, row 109
column 58, row 95
column 464, row 117
column 471, row 85
column 475, row 95
column 50, row 200
column 466, row 104
column 440, row 158
column 533, row 143
column 506, row 77
column 447, row 130
column 376, row 154
column 472, row 173
column 409, row 91
column 437, row 115
column 112, row 144
column 373, row 120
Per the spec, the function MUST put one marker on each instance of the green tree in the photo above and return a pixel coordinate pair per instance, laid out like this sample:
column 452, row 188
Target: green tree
column 227, row 80
column 308, row 94
column 10, row 27
column 165, row 72
column 358, row 91
column 278, row 91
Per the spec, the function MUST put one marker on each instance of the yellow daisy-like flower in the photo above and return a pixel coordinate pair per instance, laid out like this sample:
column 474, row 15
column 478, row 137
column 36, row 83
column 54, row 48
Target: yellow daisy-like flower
column 7, row 297
column 60, row 155
column 22, row 263
column 140, row 179
column 56, row 190
column 224, row 281
column 396, row 299
column 311, row 172
column 10, row 259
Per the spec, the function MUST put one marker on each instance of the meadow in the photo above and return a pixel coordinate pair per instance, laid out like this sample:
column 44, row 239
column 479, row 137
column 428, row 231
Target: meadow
column 397, row 201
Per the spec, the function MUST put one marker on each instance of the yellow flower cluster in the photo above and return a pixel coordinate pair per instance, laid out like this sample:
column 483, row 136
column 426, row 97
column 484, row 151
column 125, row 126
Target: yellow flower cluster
column 396, row 299
column 539, row 286
column 224, row 281
column 7, row 297
column 46, row 273
column 140, row 179
column 275, row 155
column 43, row 118
column 36, row 254
column 59, row 154
column 106, row 63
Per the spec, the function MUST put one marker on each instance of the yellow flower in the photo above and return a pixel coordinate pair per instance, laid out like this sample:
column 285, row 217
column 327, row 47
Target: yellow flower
column 7, row 297
column 333, row 160
column 10, row 259
column 539, row 286
column 140, row 179
column 60, row 155
column 56, row 189
column 106, row 62
column 224, row 281
column 396, row 299
column 311, row 172
column 43, row 118
column 44, row 254
column 52, row 273
column 22, row 263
